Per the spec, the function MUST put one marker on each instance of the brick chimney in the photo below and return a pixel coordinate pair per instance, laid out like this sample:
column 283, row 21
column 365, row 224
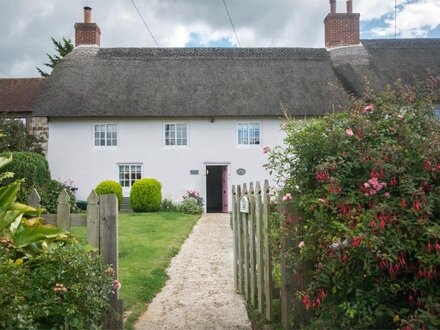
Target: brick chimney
column 87, row 33
column 341, row 29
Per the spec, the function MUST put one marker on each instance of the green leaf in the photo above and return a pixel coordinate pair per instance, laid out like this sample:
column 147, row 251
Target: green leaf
column 29, row 210
column 6, row 218
column 31, row 234
column 5, row 161
column 8, row 195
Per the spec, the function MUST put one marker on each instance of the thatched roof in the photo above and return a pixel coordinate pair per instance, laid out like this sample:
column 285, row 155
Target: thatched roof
column 210, row 82
column 18, row 95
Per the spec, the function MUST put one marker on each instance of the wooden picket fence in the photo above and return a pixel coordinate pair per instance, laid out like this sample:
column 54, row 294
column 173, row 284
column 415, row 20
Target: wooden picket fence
column 101, row 221
column 252, row 253
column 253, row 257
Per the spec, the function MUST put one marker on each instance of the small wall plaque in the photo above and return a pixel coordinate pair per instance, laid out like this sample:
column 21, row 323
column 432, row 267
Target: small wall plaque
column 241, row 171
column 244, row 205
column 194, row 172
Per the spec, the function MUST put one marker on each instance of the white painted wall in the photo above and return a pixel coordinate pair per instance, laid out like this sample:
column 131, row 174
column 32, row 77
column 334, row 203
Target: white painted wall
column 72, row 154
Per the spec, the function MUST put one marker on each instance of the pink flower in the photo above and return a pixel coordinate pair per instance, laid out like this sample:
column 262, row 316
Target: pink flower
column 369, row 108
column 349, row 132
column 265, row 150
column 322, row 200
column 301, row 244
column 287, row 197
column 400, row 117
column 387, row 195
column 116, row 284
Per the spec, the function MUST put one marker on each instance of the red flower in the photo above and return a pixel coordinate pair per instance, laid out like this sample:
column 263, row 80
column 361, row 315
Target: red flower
column 372, row 224
column 437, row 247
column 356, row 241
column 403, row 203
column 416, row 205
column 429, row 246
column 393, row 182
column 427, row 165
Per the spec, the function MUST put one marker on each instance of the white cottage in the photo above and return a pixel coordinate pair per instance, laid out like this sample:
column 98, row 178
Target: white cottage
column 199, row 118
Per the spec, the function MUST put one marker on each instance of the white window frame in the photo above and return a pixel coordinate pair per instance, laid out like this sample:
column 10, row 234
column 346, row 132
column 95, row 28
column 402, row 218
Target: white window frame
column 105, row 145
column 249, row 145
column 130, row 165
column 175, row 145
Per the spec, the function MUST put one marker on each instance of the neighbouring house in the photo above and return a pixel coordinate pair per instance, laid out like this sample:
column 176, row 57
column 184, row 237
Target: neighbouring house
column 198, row 118
column 17, row 100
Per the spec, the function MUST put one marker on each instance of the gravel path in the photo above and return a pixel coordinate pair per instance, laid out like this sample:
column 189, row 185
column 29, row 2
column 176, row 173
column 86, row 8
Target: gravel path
column 200, row 292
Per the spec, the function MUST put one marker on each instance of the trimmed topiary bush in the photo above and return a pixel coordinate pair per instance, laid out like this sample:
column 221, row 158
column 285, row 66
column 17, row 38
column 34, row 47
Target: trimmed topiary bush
column 110, row 187
column 146, row 195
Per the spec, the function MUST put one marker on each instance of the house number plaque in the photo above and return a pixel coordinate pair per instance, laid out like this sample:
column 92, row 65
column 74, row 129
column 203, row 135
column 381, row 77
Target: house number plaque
column 244, row 205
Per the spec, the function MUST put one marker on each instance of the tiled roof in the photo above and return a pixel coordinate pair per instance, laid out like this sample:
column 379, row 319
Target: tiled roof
column 18, row 95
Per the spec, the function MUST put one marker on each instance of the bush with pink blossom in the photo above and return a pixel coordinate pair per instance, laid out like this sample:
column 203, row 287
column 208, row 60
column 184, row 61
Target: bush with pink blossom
column 364, row 188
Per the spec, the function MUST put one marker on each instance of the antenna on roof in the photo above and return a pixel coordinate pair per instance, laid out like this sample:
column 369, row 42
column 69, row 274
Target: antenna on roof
column 232, row 24
column 145, row 23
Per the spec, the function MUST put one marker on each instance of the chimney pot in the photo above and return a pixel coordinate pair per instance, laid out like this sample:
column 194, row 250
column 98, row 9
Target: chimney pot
column 333, row 6
column 87, row 15
column 87, row 33
column 349, row 7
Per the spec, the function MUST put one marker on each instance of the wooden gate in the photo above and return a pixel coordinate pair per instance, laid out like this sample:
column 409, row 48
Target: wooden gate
column 101, row 221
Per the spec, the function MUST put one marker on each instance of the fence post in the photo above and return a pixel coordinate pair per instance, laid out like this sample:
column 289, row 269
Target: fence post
column 252, row 258
column 260, row 254
column 63, row 211
column 245, row 217
column 34, row 199
column 240, row 242
column 93, row 219
column 108, row 247
column 267, row 253
column 235, row 236
column 286, row 290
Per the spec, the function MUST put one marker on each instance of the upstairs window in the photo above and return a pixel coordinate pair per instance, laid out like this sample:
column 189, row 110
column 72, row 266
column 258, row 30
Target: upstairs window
column 106, row 135
column 129, row 173
column 248, row 133
column 176, row 134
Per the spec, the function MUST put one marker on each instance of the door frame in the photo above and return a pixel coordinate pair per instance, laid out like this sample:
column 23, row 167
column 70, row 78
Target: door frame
column 205, row 193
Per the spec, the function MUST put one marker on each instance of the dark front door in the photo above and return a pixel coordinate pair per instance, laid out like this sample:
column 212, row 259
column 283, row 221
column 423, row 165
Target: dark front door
column 215, row 182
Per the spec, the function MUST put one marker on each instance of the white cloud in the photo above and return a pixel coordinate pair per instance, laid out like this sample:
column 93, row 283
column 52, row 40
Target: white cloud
column 414, row 20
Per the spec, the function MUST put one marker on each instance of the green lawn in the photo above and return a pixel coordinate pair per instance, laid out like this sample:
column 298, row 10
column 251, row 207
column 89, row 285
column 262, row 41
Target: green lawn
column 147, row 242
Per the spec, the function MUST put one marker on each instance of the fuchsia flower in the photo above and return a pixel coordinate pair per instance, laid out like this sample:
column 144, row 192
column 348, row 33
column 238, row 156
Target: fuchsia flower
column 356, row 241
column 387, row 195
column 287, row 197
column 349, row 132
column 369, row 108
column 116, row 284
column 265, row 150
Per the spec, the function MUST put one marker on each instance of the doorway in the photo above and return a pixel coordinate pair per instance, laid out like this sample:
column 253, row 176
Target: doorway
column 216, row 188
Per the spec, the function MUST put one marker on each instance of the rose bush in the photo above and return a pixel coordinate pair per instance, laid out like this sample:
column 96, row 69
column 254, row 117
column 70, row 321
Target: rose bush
column 362, row 201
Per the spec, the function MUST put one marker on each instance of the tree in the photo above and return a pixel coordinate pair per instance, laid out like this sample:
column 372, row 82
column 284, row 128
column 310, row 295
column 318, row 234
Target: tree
column 17, row 138
column 62, row 48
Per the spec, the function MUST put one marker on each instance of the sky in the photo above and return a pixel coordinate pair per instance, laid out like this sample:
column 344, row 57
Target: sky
column 26, row 26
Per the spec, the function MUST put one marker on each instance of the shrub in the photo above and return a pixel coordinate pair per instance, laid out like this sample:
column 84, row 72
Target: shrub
column 49, row 193
column 168, row 205
column 65, row 287
column 190, row 205
column 47, row 279
column 30, row 166
column 192, row 193
column 361, row 201
column 110, row 187
column 146, row 195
